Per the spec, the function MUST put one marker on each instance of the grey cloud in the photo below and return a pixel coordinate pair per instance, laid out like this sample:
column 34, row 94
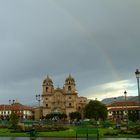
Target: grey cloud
column 89, row 39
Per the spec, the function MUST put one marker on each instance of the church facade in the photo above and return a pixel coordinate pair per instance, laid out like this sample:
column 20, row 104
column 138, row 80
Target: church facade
column 61, row 100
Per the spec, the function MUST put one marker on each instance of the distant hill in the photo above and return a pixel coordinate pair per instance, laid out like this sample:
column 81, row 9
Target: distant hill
column 119, row 99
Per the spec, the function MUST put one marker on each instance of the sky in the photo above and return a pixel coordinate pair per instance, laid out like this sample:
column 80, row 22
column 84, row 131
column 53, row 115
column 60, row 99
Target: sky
column 96, row 41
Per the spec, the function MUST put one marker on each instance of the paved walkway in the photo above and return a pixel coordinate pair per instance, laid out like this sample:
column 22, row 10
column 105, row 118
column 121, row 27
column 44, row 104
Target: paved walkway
column 66, row 139
column 25, row 138
column 86, row 139
column 90, row 139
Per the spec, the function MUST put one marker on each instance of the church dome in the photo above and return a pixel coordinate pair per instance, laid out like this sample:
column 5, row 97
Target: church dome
column 48, row 80
column 69, row 78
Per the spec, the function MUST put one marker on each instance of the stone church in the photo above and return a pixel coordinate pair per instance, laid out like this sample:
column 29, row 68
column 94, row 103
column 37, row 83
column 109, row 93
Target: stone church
column 61, row 100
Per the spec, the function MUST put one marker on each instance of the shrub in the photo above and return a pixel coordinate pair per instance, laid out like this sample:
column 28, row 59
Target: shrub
column 39, row 128
column 111, row 133
column 3, row 126
column 136, row 129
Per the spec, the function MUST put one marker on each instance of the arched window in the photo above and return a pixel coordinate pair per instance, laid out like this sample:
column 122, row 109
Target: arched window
column 69, row 104
column 46, row 89
column 69, row 88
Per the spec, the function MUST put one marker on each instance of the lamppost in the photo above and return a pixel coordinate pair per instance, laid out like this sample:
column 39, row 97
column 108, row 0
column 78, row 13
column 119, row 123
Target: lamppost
column 9, row 102
column 38, row 98
column 126, row 110
column 137, row 73
column 13, row 101
column 115, row 112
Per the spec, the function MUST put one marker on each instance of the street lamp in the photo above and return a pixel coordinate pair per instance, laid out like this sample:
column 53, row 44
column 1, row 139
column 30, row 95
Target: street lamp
column 115, row 112
column 126, row 111
column 11, row 102
column 137, row 73
column 38, row 98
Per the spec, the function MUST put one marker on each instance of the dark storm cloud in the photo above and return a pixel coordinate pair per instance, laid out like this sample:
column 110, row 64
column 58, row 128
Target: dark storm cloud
column 98, row 42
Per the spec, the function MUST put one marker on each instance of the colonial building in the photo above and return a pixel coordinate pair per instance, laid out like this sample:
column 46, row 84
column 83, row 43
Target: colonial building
column 119, row 111
column 23, row 112
column 62, row 100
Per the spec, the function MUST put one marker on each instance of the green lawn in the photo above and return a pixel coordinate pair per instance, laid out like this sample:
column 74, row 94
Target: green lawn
column 67, row 133
column 7, row 132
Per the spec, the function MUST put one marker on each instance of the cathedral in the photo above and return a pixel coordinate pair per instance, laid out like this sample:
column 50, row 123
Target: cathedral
column 61, row 100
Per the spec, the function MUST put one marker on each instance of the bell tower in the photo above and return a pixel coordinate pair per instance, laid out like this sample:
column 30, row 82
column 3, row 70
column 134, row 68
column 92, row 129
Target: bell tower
column 69, row 86
column 47, row 86
column 70, row 94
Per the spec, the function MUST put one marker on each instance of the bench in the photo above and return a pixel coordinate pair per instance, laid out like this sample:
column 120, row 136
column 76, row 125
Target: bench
column 87, row 131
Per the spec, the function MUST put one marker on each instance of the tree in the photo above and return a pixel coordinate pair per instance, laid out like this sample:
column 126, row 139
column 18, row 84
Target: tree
column 14, row 119
column 62, row 116
column 133, row 115
column 75, row 115
column 95, row 110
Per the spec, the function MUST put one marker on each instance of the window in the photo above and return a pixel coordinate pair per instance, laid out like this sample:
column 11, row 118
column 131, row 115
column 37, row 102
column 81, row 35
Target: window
column 69, row 104
column 69, row 97
column 69, row 88
column 46, row 105
column 46, row 89
column 46, row 98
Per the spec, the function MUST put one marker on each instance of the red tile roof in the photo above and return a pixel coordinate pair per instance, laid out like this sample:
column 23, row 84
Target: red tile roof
column 123, row 109
column 16, row 107
column 116, row 104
